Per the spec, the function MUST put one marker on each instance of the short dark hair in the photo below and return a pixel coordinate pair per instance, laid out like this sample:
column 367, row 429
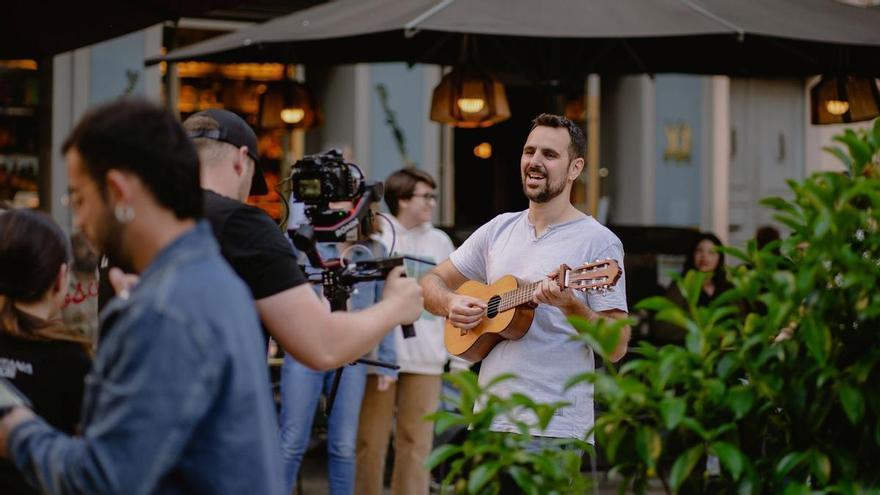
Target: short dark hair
column 402, row 185
column 577, row 147
column 140, row 137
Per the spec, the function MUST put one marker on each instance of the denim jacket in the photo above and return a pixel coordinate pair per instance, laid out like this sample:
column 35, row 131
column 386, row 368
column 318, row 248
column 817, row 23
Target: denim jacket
column 178, row 399
column 363, row 295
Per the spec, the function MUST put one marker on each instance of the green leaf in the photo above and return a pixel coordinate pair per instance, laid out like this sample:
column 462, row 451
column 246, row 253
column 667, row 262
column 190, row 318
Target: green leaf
column 500, row 378
column 480, row 476
column 875, row 132
column 852, row 401
column 523, row 479
column 778, row 203
column 440, row 454
column 841, row 155
column 817, row 338
column 466, row 382
column 796, row 489
column 614, row 441
column 731, row 458
column 694, row 425
column 726, row 365
column 648, row 445
column 789, row 462
column 858, row 149
column 739, row 399
column 656, row 303
column 820, row 465
column 443, row 420
column 672, row 411
column 683, row 466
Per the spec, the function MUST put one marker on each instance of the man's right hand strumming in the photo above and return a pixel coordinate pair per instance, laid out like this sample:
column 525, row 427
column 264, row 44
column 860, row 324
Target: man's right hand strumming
column 465, row 312
column 406, row 293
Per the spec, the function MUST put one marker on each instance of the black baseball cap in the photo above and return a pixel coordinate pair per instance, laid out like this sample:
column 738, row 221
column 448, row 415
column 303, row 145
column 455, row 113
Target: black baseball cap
column 234, row 130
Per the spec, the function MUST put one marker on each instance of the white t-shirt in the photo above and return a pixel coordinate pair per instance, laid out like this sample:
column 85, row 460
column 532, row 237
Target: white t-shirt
column 546, row 357
column 424, row 354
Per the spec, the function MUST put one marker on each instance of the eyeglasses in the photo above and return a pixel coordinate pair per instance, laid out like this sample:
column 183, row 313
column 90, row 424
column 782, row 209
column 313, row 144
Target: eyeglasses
column 427, row 196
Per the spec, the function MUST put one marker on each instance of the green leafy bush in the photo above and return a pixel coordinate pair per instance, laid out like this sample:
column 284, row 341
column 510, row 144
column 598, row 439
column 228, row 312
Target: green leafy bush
column 776, row 390
column 778, row 378
column 477, row 465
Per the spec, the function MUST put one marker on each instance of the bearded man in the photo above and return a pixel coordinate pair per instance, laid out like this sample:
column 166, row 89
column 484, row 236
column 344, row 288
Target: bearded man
column 531, row 245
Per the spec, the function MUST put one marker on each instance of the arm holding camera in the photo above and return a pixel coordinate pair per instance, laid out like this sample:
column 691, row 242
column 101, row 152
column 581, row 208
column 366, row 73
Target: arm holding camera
column 321, row 339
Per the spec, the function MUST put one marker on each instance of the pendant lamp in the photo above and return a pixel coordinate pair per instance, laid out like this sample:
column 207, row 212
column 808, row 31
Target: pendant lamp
column 844, row 99
column 288, row 103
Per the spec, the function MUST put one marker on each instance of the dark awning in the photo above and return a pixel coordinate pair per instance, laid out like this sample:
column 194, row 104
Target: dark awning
column 39, row 28
column 560, row 38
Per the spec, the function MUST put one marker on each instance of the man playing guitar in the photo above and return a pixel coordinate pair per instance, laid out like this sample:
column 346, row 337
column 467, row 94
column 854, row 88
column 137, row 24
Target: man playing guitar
column 530, row 245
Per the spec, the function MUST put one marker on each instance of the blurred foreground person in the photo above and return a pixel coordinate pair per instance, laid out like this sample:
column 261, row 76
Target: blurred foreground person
column 177, row 399
column 43, row 359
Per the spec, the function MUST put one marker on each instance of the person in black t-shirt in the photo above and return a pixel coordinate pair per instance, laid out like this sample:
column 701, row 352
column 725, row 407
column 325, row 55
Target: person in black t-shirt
column 40, row 357
column 258, row 251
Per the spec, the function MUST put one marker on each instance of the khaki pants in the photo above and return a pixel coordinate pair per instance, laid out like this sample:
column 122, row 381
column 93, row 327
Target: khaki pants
column 413, row 396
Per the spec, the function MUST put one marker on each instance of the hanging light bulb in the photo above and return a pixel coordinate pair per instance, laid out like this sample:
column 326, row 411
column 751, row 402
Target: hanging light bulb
column 292, row 116
column 837, row 107
column 471, row 105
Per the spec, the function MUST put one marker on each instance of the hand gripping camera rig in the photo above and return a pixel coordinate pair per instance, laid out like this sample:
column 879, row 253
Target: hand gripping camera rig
column 316, row 181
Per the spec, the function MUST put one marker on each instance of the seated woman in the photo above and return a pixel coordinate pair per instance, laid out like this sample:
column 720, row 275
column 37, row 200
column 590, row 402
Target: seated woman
column 704, row 257
column 38, row 355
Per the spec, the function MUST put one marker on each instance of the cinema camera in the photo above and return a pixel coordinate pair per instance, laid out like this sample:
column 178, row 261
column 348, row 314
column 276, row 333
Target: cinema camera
column 317, row 181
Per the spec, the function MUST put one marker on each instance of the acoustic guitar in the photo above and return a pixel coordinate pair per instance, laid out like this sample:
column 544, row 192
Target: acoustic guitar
column 510, row 310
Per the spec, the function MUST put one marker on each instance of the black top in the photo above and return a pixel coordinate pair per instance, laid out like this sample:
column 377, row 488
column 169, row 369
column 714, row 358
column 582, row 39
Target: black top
column 253, row 245
column 250, row 242
column 51, row 374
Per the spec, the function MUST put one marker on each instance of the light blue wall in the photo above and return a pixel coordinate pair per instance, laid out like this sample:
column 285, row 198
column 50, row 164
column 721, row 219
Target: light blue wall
column 406, row 97
column 110, row 60
column 677, row 194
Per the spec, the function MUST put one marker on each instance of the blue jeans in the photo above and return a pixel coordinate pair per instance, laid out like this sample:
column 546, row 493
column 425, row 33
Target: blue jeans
column 301, row 388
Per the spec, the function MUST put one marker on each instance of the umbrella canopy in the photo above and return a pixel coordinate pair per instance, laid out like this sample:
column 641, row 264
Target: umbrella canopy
column 557, row 39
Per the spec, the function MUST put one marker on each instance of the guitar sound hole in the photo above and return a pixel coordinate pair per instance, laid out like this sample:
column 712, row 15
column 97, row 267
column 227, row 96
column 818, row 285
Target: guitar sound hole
column 492, row 309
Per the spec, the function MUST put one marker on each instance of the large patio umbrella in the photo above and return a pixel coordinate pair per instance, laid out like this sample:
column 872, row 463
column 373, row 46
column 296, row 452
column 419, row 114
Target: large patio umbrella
column 559, row 39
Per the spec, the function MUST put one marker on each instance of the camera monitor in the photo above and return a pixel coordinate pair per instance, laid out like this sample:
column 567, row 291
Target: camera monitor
column 11, row 396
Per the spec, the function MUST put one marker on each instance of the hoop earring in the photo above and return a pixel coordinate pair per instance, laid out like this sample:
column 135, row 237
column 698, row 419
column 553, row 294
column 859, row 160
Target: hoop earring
column 123, row 214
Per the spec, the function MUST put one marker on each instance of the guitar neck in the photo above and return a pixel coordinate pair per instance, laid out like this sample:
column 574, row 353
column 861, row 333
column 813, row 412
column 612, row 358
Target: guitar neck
column 517, row 297
column 595, row 276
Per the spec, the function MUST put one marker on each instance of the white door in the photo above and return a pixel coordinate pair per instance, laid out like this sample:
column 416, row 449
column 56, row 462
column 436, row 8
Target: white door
column 766, row 149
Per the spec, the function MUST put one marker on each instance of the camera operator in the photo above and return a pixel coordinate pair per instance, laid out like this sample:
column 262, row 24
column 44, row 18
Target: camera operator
column 258, row 251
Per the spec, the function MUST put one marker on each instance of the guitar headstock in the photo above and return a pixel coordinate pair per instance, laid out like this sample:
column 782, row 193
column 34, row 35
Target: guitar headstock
column 597, row 276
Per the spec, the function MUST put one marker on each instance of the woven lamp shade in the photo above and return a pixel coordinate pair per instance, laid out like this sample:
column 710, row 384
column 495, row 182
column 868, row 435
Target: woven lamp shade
column 468, row 97
column 844, row 99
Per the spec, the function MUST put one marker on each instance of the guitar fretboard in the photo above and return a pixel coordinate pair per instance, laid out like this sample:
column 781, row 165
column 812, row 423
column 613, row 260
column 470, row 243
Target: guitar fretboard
column 516, row 297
